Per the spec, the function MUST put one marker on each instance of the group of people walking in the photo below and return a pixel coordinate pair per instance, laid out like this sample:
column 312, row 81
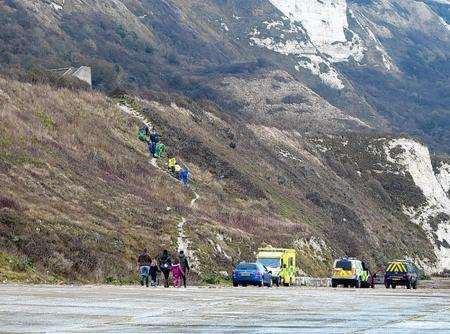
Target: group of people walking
column 157, row 149
column 150, row 268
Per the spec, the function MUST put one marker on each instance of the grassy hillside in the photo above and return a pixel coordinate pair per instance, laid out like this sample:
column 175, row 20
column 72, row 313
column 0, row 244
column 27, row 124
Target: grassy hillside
column 78, row 194
column 80, row 197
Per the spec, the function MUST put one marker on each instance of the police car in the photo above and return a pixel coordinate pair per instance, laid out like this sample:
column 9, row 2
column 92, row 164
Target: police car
column 401, row 272
column 348, row 271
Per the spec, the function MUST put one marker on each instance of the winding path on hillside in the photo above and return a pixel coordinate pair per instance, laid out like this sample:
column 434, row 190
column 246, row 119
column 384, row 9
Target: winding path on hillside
column 183, row 242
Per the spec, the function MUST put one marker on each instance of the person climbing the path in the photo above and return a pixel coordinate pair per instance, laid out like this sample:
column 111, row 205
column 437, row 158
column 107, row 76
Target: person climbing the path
column 154, row 137
column 184, row 263
column 159, row 150
column 154, row 140
column 152, row 148
column 177, row 170
column 177, row 273
column 143, row 263
column 184, row 176
column 171, row 164
column 165, row 265
column 144, row 134
column 154, row 273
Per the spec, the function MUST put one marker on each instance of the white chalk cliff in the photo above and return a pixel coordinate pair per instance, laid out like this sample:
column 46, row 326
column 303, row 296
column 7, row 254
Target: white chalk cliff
column 415, row 159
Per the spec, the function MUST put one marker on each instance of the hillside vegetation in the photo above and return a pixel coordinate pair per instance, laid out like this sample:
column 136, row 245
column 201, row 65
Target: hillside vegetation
column 80, row 197
column 399, row 82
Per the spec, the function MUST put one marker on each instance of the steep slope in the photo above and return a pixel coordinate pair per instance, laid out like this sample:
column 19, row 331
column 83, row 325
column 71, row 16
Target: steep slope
column 385, row 62
column 434, row 214
column 80, row 197
column 76, row 184
column 279, row 108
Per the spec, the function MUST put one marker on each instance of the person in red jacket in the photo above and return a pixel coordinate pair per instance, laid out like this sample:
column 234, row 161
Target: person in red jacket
column 177, row 273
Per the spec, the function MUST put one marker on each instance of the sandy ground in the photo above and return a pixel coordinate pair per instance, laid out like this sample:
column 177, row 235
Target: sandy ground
column 108, row 309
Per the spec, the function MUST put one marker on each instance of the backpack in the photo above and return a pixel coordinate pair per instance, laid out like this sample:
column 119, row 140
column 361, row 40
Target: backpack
column 165, row 263
column 172, row 162
column 160, row 149
column 154, row 138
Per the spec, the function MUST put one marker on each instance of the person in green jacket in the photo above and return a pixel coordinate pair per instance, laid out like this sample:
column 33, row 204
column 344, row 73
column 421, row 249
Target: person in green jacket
column 159, row 150
column 144, row 134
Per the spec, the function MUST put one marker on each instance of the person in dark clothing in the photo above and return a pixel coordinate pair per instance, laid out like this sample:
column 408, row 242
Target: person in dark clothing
column 154, row 137
column 154, row 140
column 143, row 263
column 184, row 266
column 152, row 148
column 154, row 273
column 165, row 265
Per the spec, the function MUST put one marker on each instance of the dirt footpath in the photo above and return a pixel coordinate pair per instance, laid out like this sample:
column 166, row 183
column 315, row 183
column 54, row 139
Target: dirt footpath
column 108, row 309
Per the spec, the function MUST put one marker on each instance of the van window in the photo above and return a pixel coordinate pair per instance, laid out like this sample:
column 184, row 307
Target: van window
column 291, row 262
column 343, row 264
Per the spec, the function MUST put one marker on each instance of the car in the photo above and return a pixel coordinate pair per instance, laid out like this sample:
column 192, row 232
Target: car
column 401, row 272
column 350, row 272
column 247, row 273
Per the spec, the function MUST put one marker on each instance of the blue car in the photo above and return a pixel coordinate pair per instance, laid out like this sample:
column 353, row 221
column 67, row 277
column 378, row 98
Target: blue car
column 251, row 274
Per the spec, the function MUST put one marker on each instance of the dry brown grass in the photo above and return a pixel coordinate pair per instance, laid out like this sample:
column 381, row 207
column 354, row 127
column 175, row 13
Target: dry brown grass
column 80, row 199
column 72, row 162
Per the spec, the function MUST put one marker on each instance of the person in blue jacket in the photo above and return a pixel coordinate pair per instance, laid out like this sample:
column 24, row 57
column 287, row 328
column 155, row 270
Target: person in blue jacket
column 184, row 176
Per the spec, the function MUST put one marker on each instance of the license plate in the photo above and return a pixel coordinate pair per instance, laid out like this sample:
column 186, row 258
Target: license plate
column 244, row 274
column 396, row 279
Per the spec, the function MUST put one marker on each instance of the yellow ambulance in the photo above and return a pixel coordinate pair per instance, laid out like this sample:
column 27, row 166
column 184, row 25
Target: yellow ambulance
column 280, row 262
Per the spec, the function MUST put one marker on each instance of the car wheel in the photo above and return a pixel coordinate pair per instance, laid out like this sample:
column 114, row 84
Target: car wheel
column 414, row 285
column 235, row 284
column 333, row 284
column 345, row 285
column 387, row 284
column 358, row 283
column 393, row 286
column 260, row 284
column 408, row 285
column 244, row 285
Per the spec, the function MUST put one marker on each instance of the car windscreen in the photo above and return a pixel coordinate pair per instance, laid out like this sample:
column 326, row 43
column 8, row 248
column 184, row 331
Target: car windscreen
column 246, row 266
column 343, row 264
column 273, row 263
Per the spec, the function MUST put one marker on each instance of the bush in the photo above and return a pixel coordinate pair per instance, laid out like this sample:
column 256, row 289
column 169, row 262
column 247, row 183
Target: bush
column 21, row 264
column 9, row 203
column 118, row 93
column 210, row 279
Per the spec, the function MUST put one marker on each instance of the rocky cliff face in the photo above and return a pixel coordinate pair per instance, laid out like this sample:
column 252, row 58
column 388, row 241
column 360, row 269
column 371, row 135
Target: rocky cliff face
column 305, row 90
column 433, row 215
